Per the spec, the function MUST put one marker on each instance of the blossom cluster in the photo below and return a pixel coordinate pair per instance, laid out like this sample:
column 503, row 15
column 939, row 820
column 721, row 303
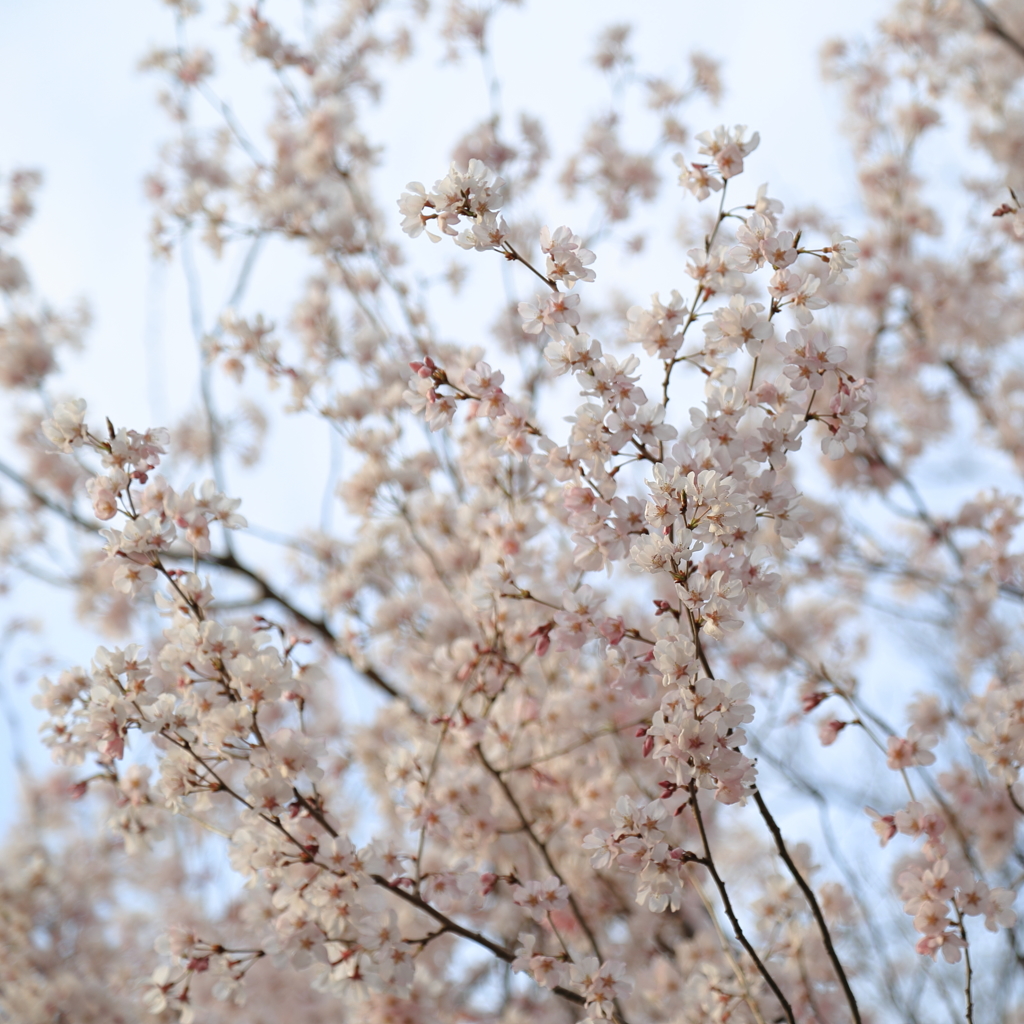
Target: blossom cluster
column 932, row 889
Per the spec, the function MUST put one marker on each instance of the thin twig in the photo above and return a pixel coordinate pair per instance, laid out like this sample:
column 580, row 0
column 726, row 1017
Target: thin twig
column 231, row 562
column 587, row 738
column 708, row 861
column 1013, row 798
column 968, row 972
column 542, row 847
column 741, row 977
column 66, row 513
column 812, row 900
column 995, row 26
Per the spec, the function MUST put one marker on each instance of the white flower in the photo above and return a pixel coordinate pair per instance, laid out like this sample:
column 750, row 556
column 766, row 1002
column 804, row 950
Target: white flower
column 66, row 429
column 539, row 898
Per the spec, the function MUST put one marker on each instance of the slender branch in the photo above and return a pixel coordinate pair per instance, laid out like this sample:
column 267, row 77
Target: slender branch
column 695, row 633
column 65, row 513
column 1013, row 798
column 233, row 124
column 457, row 929
column 996, row 27
column 970, row 389
column 802, row 962
column 427, row 939
column 319, row 626
column 434, row 761
column 812, row 900
column 587, row 738
column 737, row 969
column 205, row 381
column 968, row 972
column 204, row 824
column 512, row 254
column 542, row 847
column 709, row 862
column 697, row 302
column 231, row 562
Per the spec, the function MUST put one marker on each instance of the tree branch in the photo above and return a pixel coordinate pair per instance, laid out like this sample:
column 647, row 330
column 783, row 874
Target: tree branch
column 812, row 900
column 66, row 513
column 708, row 861
column 319, row 626
column 996, row 27
column 542, row 847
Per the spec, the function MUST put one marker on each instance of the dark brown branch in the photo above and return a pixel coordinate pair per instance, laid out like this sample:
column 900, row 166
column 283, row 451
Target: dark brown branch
column 447, row 924
column 968, row 970
column 228, row 561
column 708, row 861
column 456, row 929
column 542, row 847
column 319, row 626
column 996, row 27
column 1013, row 798
column 808, row 892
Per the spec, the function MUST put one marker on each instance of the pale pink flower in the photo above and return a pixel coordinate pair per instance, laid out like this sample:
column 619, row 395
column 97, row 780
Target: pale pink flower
column 912, row 750
column 540, row 898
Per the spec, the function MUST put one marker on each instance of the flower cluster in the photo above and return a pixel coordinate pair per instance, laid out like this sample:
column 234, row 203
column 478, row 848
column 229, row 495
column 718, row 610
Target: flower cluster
column 475, row 195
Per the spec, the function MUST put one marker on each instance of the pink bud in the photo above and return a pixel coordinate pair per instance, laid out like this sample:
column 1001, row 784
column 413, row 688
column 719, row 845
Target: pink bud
column 828, row 731
column 811, row 700
column 543, row 639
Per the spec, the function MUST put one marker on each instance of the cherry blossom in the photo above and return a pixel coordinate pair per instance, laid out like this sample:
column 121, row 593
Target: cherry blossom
column 623, row 608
